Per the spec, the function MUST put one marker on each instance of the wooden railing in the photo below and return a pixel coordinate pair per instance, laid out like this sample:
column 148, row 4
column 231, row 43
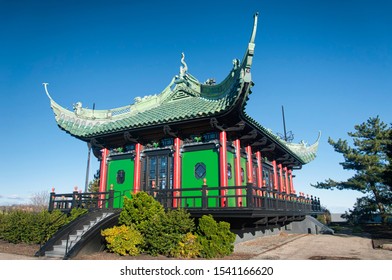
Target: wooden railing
column 233, row 197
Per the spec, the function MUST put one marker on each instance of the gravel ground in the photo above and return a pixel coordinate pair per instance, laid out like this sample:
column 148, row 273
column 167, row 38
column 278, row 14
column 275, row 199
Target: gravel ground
column 278, row 247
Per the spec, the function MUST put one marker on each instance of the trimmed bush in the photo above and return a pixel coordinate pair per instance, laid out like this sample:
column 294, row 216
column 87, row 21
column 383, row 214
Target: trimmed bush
column 34, row 228
column 123, row 240
column 170, row 233
column 215, row 238
column 140, row 211
column 162, row 231
column 188, row 247
column 166, row 231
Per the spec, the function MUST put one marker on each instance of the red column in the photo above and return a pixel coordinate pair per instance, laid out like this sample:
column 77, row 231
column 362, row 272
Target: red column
column 249, row 164
column 176, row 169
column 223, row 180
column 280, row 178
column 287, row 181
column 103, row 174
column 136, row 177
column 291, row 182
column 275, row 175
column 259, row 170
column 237, row 164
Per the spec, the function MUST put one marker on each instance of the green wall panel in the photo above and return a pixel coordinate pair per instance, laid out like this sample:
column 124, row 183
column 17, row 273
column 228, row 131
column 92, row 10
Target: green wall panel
column 189, row 160
column 120, row 189
column 243, row 166
column 231, row 179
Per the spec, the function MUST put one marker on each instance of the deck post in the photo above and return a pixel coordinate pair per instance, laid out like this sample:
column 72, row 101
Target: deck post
column 74, row 198
column 249, row 195
column 51, row 200
column 204, row 197
column 111, row 197
column 238, row 177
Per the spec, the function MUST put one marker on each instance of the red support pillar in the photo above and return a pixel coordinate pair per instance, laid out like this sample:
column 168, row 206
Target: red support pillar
column 176, row 170
column 280, row 178
column 103, row 174
column 237, row 164
column 223, row 179
column 249, row 164
column 136, row 177
column 291, row 182
column 275, row 175
column 286, row 174
column 259, row 170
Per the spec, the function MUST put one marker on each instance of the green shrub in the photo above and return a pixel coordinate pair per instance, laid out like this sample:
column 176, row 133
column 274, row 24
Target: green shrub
column 46, row 224
column 76, row 213
column 216, row 239
column 34, row 227
column 140, row 211
column 178, row 221
column 123, row 240
column 188, row 247
column 16, row 226
column 166, row 231
column 162, row 231
column 172, row 233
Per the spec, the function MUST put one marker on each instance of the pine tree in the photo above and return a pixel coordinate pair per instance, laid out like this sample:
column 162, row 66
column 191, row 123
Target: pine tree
column 93, row 186
column 370, row 159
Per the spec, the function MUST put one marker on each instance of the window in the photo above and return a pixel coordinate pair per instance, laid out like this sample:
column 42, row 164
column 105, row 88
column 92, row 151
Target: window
column 254, row 175
column 229, row 173
column 120, row 178
column 268, row 177
column 200, row 170
column 157, row 171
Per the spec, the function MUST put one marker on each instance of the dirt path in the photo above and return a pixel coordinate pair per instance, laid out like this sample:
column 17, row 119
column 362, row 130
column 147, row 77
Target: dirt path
column 305, row 247
column 277, row 247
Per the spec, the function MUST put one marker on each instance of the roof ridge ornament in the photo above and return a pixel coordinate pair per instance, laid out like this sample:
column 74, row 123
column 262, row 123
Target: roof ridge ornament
column 253, row 36
column 183, row 67
column 46, row 90
column 182, row 77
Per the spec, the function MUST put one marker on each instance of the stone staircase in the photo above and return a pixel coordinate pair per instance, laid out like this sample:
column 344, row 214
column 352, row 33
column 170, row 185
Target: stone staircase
column 60, row 250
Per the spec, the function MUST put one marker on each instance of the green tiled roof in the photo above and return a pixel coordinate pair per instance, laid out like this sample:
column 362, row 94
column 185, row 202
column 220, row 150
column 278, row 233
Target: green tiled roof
column 304, row 152
column 181, row 103
column 185, row 98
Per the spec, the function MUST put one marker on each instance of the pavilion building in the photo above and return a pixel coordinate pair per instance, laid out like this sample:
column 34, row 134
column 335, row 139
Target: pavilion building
column 191, row 135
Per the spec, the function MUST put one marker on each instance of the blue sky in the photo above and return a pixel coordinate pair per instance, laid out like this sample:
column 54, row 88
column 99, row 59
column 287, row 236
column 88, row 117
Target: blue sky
column 329, row 63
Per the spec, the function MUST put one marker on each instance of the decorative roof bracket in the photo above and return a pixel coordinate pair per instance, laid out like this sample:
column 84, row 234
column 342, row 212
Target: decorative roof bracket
column 269, row 148
column 168, row 131
column 94, row 143
column 129, row 138
column 238, row 127
column 251, row 135
column 215, row 124
column 260, row 142
column 283, row 158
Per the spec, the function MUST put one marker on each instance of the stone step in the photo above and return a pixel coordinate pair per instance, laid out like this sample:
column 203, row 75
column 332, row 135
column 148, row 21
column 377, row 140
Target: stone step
column 59, row 250
column 54, row 254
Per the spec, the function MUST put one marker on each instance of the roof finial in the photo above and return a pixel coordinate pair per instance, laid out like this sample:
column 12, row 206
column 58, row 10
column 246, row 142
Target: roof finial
column 184, row 67
column 46, row 89
column 252, row 38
